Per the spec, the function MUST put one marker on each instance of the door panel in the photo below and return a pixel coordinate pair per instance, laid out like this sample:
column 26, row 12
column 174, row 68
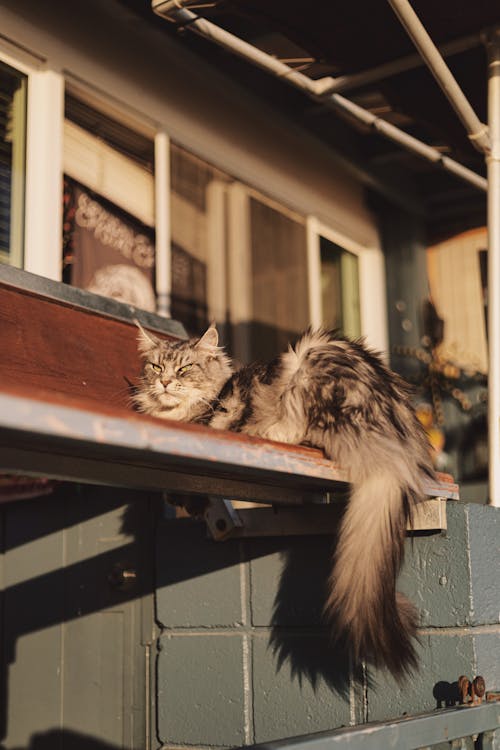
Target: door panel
column 75, row 645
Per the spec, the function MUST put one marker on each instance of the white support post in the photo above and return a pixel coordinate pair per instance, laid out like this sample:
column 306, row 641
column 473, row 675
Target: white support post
column 314, row 273
column 240, row 268
column 478, row 132
column 44, row 170
column 217, row 252
column 493, row 162
column 162, row 224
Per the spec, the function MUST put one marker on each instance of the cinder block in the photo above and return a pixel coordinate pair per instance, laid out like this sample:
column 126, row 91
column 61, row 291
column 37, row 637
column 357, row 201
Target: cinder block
column 436, row 573
column 487, row 662
column 453, row 577
column 302, row 693
column 198, row 580
column 442, row 659
column 201, row 690
column 484, row 546
column 288, row 580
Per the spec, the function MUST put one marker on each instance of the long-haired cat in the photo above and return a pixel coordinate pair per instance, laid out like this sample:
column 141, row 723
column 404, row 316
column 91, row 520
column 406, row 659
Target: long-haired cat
column 336, row 395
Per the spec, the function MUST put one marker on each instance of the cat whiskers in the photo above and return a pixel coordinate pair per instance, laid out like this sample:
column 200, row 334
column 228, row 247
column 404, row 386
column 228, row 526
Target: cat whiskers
column 125, row 394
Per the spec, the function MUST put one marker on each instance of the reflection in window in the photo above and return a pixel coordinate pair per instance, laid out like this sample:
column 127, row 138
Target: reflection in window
column 12, row 164
column 340, row 288
column 106, row 251
column 108, row 202
column 197, row 206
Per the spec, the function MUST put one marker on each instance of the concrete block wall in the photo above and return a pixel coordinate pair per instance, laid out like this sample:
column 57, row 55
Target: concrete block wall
column 242, row 656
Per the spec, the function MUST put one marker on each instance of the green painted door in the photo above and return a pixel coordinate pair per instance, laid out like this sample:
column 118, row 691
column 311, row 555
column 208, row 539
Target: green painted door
column 77, row 620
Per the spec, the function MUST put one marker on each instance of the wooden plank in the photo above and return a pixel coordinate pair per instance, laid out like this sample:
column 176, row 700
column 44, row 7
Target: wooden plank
column 66, row 350
column 66, row 427
column 68, row 341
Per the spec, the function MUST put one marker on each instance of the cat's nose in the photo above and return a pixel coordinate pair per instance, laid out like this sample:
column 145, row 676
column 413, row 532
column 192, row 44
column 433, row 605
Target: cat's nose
column 166, row 381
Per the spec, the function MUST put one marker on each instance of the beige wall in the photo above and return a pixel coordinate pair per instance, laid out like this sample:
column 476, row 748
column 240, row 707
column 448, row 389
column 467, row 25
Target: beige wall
column 456, row 290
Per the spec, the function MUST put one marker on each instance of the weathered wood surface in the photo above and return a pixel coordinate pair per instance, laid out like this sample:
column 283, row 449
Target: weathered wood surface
column 66, row 350
column 64, row 437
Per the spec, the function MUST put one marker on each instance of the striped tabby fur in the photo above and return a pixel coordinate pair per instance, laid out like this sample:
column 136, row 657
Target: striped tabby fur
column 338, row 396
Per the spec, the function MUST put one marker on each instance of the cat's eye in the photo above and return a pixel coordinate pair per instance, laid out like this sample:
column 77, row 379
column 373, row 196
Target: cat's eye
column 156, row 368
column 184, row 369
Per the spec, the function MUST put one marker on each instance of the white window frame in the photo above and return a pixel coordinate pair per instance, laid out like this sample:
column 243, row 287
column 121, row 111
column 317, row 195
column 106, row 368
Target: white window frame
column 44, row 149
column 42, row 156
column 371, row 265
column 240, row 266
column 372, row 290
column 42, row 252
column 228, row 288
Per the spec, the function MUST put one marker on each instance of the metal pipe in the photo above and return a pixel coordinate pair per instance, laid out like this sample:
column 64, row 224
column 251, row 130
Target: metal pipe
column 478, row 131
column 163, row 270
column 408, row 141
column 493, row 162
column 174, row 10
column 401, row 65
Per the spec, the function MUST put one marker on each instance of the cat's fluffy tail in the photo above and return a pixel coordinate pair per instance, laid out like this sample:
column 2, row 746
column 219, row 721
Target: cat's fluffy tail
column 378, row 623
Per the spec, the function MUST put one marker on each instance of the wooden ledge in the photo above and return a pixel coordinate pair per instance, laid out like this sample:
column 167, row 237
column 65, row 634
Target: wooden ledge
column 60, row 437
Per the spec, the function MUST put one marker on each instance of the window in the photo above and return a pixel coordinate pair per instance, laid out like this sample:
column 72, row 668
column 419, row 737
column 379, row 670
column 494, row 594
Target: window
column 198, row 241
column 346, row 285
column 13, row 87
column 340, row 288
column 108, row 217
column 261, row 270
column 277, row 297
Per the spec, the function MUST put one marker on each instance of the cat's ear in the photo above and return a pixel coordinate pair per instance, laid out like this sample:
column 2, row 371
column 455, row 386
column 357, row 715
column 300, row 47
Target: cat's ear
column 209, row 340
column 145, row 341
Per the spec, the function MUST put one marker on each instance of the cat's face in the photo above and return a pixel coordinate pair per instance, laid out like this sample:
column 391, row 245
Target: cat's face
column 180, row 378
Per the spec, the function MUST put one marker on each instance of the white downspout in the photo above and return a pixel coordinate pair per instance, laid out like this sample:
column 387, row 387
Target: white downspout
column 162, row 220
column 493, row 162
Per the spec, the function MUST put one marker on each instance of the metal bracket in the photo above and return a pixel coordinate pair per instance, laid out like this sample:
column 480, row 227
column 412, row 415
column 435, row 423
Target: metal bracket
column 224, row 521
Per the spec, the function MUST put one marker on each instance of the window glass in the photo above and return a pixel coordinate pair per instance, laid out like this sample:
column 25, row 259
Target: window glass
column 340, row 288
column 108, row 207
column 12, row 163
column 279, row 286
column 241, row 259
column 198, row 218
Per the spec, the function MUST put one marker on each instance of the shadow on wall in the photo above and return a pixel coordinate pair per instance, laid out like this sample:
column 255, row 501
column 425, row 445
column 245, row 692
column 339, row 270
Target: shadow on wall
column 198, row 584
column 300, row 637
column 293, row 572
column 85, row 533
